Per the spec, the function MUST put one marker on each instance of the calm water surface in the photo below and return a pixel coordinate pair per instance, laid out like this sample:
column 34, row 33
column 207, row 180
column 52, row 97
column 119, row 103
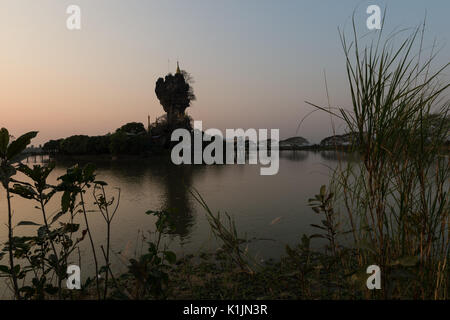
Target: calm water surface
column 253, row 200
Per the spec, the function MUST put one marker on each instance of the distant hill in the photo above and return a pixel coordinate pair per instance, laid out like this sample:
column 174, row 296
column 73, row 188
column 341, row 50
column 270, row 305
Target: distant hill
column 344, row 140
column 293, row 143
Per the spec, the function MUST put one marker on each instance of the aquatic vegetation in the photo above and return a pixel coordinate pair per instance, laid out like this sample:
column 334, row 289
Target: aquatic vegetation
column 227, row 233
column 396, row 198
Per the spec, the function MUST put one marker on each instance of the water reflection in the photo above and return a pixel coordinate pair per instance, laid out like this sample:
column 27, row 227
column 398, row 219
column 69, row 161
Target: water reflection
column 294, row 155
column 332, row 155
column 175, row 182
column 254, row 200
column 172, row 183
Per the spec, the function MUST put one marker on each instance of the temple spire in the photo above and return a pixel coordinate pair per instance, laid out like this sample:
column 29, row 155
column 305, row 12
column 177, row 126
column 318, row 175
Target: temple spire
column 178, row 68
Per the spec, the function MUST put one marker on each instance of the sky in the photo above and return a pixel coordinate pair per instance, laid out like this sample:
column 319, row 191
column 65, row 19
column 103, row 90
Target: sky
column 254, row 62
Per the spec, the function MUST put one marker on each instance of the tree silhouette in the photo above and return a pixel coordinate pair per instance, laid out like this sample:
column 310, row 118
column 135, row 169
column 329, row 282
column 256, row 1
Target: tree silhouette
column 175, row 95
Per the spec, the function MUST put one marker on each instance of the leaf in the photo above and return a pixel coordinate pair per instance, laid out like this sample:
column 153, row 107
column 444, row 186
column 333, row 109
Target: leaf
column 17, row 146
column 70, row 227
column 323, row 190
column 87, row 282
column 4, row 269
column 16, row 269
column 57, row 216
column 42, row 231
column 5, row 175
column 23, row 191
column 4, row 140
column 88, row 172
column 325, row 223
column 65, row 201
column 26, row 170
column 170, row 257
column 53, row 260
column 27, row 223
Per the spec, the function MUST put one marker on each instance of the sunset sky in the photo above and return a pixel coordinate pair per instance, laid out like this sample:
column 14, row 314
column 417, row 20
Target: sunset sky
column 254, row 62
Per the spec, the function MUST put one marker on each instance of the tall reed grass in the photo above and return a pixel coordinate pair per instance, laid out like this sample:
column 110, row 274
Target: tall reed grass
column 396, row 198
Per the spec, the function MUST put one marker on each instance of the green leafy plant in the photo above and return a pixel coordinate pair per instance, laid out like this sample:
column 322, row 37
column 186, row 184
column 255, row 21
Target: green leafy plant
column 74, row 184
column 150, row 270
column 323, row 204
column 105, row 205
column 9, row 153
column 36, row 249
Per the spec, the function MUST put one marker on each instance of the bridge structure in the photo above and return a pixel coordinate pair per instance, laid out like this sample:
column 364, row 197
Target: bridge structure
column 34, row 155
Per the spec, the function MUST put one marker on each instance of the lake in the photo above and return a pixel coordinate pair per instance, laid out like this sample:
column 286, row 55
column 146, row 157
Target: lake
column 272, row 210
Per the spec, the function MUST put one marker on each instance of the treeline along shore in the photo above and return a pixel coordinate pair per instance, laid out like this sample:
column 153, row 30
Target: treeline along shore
column 132, row 139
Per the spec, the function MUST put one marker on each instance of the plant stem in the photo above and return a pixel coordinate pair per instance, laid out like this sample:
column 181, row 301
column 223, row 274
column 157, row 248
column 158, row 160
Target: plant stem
column 92, row 244
column 58, row 271
column 10, row 247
